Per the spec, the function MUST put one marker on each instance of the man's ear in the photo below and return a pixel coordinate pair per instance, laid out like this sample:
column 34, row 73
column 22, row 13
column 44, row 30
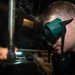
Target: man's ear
column 73, row 22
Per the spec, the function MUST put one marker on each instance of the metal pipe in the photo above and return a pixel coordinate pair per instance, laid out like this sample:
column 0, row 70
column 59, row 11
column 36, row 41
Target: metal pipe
column 11, row 30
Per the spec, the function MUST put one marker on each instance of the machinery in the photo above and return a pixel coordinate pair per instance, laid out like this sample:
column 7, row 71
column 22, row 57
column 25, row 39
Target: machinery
column 14, row 64
column 22, row 63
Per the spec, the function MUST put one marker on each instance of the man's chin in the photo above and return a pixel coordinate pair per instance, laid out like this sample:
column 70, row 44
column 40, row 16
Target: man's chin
column 59, row 52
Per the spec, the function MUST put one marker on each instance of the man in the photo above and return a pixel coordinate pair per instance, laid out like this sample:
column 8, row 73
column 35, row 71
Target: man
column 63, row 10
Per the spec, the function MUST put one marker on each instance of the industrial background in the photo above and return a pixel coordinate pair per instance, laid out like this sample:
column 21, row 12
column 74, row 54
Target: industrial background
column 27, row 29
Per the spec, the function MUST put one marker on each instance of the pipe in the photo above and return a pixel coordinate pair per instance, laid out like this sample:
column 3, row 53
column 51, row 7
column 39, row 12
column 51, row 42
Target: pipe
column 11, row 30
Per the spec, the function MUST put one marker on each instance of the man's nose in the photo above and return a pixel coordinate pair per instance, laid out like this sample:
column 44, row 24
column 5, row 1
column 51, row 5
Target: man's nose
column 54, row 45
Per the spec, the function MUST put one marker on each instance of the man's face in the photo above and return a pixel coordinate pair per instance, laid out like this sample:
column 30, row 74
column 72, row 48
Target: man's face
column 69, row 40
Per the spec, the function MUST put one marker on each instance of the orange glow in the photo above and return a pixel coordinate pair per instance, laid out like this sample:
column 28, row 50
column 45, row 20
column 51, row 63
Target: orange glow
column 4, row 52
column 28, row 23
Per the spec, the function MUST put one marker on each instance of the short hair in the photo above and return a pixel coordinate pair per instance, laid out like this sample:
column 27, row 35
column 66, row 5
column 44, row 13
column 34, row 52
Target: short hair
column 62, row 9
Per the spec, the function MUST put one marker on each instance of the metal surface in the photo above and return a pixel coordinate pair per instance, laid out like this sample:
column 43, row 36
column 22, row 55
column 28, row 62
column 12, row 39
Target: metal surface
column 11, row 29
column 33, row 50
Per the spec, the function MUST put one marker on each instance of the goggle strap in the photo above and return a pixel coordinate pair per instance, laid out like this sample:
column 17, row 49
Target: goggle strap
column 64, row 23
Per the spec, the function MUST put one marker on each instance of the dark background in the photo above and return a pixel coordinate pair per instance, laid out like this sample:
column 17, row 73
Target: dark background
column 25, row 37
column 37, row 6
